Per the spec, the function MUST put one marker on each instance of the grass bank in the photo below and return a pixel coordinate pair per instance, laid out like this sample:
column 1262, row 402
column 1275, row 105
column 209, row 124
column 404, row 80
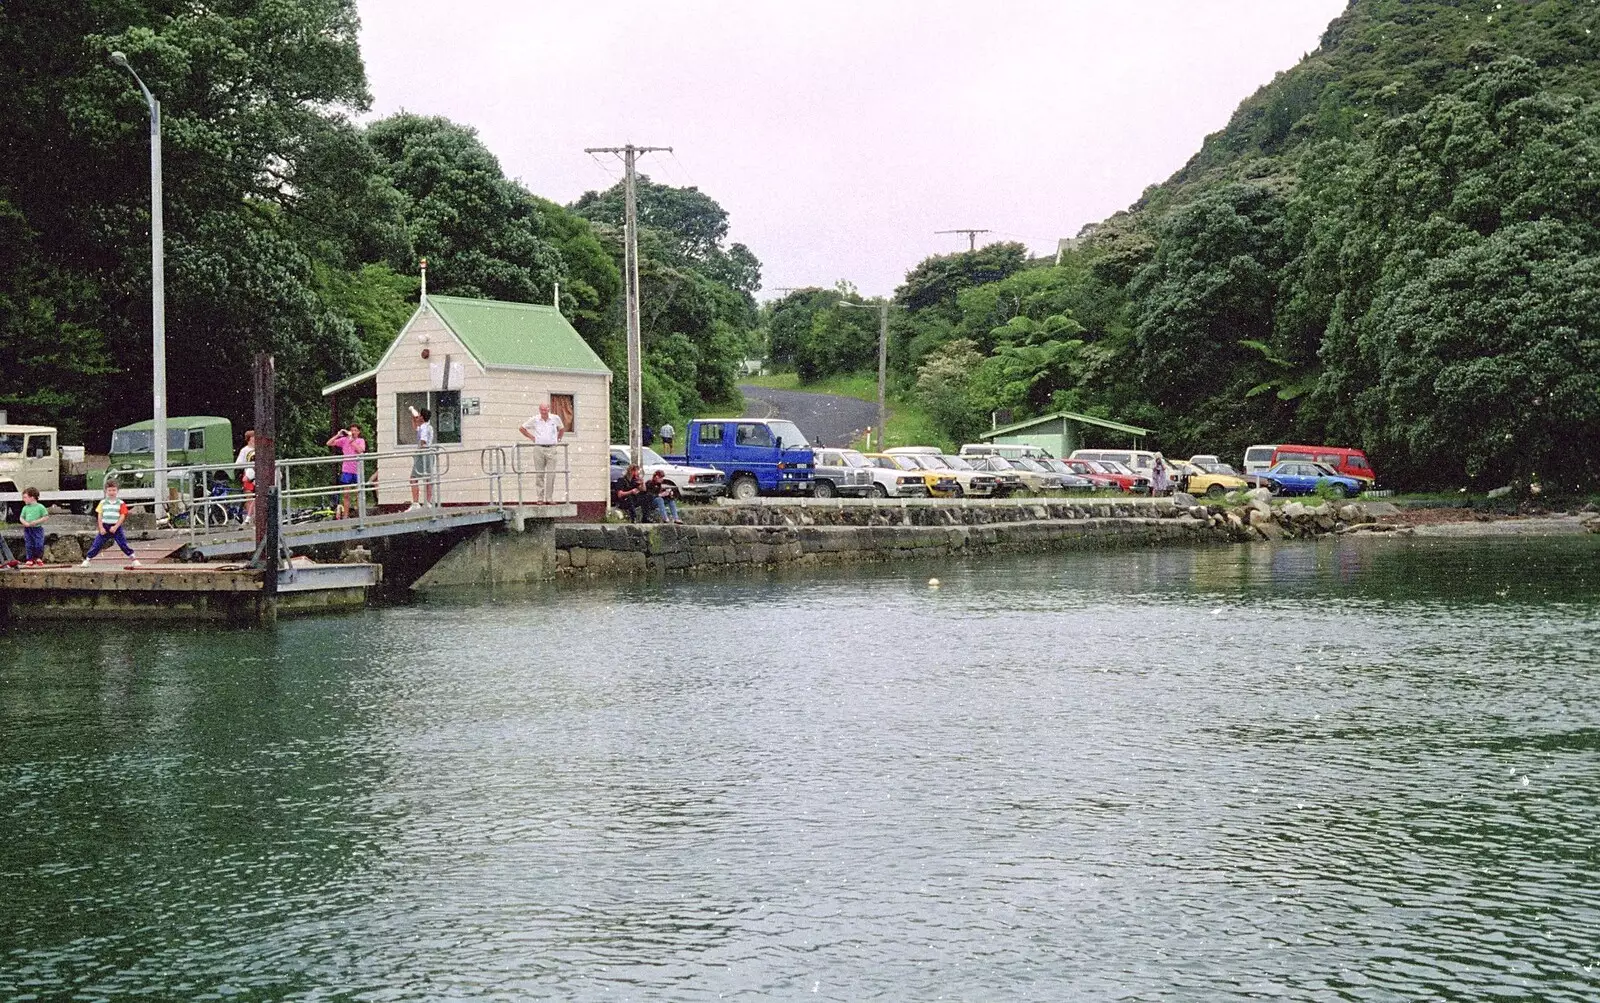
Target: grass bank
column 908, row 424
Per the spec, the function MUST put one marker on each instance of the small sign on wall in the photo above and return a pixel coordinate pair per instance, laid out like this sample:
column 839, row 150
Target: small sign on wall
column 469, row 405
column 446, row 375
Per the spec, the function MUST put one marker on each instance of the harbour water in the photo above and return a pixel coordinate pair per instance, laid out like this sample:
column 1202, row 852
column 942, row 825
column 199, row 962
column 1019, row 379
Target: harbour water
column 1324, row 771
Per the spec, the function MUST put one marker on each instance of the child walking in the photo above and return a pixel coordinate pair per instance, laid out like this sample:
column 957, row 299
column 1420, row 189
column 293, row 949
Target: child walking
column 33, row 520
column 111, row 512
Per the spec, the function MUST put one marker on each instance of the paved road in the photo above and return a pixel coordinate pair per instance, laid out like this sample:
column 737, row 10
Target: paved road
column 826, row 419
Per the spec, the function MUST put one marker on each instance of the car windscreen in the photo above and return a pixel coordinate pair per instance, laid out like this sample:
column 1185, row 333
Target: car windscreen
column 852, row 458
column 131, row 440
column 1113, row 467
column 10, row 442
column 789, row 432
column 650, row 456
column 1026, row 464
column 1258, row 454
column 956, row 462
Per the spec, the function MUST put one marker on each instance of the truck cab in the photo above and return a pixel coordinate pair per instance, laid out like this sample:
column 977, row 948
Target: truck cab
column 758, row 456
column 191, row 441
column 28, row 458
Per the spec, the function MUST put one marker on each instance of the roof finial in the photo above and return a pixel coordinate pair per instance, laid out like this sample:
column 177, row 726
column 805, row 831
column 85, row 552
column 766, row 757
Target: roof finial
column 555, row 300
column 424, row 280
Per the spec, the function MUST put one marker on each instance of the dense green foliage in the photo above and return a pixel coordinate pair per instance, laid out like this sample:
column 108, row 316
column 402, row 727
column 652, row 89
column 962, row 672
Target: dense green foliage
column 289, row 228
column 1393, row 245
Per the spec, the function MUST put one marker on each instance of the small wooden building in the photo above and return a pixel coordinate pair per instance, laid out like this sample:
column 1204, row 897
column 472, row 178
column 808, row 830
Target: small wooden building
column 1060, row 433
column 482, row 367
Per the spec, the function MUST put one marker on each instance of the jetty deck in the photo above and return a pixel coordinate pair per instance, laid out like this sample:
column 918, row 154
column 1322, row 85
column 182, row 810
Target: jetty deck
column 232, row 593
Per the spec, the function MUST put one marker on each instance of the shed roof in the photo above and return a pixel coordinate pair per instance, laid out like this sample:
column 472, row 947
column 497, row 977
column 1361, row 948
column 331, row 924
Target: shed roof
column 516, row 335
column 500, row 335
column 1085, row 419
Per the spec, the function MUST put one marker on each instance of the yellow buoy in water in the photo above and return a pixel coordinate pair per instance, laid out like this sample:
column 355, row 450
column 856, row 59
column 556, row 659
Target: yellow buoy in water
column 933, row 583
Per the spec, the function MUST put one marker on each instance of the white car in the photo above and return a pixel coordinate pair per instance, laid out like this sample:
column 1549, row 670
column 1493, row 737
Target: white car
column 847, row 472
column 970, row 481
column 691, row 482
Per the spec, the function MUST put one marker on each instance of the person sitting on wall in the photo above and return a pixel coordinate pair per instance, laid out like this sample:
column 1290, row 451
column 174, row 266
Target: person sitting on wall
column 663, row 496
column 629, row 495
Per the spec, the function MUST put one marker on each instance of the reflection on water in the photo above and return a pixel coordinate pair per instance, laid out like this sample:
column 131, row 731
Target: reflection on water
column 1341, row 771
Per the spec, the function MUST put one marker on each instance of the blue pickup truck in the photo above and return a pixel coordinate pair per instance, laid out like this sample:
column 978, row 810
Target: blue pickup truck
column 759, row 456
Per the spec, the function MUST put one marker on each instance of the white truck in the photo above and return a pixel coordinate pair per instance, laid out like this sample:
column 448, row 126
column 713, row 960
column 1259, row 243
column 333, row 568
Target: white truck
column 31, row 457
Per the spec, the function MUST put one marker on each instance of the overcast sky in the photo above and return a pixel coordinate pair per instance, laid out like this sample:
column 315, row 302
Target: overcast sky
column 840, row 134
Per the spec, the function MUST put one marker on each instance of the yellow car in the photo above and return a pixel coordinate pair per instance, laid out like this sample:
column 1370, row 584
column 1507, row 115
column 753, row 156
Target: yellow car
column 1213, row 483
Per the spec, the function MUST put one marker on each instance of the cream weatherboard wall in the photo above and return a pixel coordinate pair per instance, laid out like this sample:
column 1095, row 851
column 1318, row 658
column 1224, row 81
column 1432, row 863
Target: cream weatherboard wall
column 506, row 398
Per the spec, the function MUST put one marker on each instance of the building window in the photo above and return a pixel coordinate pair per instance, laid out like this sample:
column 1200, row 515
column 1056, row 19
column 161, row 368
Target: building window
column 564, row 406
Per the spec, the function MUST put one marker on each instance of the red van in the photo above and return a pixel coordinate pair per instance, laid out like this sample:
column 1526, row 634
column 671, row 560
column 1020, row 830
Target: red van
column 1349, row 462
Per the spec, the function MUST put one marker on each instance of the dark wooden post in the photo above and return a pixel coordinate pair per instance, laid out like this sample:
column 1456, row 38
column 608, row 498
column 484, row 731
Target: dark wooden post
column 266, row 471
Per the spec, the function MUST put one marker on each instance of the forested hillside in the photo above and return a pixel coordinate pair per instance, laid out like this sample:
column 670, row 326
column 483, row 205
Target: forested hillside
column 290, row 227
column 1394, row 244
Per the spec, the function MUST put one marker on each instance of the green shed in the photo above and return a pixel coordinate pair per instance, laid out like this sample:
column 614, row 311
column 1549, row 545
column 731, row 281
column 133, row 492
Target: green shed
column 1058, row 434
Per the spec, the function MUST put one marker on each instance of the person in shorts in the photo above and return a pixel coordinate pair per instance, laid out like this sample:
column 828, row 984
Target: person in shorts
column 33, row 520
column 349, row 442
column 246, row 461
column 422, row 465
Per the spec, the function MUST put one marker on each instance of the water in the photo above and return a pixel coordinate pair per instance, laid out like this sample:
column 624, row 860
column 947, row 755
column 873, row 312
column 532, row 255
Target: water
column 1317, row 772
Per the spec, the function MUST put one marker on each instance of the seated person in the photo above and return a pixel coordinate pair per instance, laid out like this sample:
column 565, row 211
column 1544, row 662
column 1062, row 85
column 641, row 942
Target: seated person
column 628, row 494
column 665, row 497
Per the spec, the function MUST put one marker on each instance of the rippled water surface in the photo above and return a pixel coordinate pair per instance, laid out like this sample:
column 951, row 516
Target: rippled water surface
column 1316, row 772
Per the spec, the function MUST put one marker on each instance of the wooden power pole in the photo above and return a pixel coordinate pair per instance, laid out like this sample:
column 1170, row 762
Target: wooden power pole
column 972, row 236
column 630, row 274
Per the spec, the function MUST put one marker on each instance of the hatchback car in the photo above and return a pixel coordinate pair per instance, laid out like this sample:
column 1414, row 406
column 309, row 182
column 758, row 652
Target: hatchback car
column 1300, row 478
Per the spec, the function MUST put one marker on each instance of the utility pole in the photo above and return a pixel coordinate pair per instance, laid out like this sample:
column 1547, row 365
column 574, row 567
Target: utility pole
column 883, row 358
column 972, row 236
column 630, row 272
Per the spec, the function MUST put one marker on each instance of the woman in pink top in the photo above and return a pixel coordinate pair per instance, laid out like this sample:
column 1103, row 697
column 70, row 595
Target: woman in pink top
column 349, row 442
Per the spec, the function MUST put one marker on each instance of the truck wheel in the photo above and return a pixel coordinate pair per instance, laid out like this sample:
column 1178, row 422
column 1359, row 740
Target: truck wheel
column 879, row 491
column 743, row 488
column 79, row 507
column 824, row 489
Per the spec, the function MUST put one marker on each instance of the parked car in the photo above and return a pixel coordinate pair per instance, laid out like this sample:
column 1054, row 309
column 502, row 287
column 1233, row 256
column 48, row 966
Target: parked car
column 1013, row 479
column 1069, row 480
column 970, row 482
column 889, row 480
column 1198, row 480
column 841, row 472
column 938, row 483
column 1342, row 460
column 691, row 482
column 1096, row 475
column 1258, row 458
column 758, row 457
column 1051, row 480
column 975, row 483
column 1300, row 478
column 1204, row 460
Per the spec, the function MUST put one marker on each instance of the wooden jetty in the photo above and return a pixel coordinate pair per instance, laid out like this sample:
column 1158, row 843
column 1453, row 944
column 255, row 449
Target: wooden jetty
column 187, row 592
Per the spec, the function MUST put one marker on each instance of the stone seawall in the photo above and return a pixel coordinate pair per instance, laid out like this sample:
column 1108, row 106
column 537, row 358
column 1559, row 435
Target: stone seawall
column 829, row 532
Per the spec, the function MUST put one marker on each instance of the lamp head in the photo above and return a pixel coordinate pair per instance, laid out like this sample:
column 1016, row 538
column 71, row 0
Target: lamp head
column 120, row 58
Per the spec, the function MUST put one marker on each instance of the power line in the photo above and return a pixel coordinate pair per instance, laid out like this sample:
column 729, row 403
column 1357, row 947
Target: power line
column 972, row 236
column 630, row 273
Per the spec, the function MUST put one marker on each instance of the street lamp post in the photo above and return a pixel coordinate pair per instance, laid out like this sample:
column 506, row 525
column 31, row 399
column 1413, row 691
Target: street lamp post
column 158, row 292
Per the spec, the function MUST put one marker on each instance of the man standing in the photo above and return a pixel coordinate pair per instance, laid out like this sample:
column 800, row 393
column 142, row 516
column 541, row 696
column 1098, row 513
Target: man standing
column 667, row 435
column 545, row 430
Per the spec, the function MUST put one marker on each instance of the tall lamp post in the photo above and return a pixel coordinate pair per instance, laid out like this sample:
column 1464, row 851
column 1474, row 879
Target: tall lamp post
column 158, row 292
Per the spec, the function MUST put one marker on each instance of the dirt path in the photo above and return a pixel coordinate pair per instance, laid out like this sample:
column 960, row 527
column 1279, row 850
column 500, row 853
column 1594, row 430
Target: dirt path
column 826, row 419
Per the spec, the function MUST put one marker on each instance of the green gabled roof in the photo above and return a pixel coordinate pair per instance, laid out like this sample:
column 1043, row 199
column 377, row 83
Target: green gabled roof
column 516, row 335
column 1085, row 419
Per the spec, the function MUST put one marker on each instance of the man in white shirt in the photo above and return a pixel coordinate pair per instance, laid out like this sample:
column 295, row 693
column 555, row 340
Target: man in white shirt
column 545, row 431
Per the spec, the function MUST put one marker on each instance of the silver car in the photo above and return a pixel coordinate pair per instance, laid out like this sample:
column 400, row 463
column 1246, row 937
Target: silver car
column 841, row 472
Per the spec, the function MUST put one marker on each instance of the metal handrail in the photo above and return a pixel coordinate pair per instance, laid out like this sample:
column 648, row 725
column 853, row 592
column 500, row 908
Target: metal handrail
column 205, row 512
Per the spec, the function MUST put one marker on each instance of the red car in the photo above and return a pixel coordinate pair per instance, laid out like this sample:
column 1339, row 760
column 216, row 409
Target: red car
column 1103, row 477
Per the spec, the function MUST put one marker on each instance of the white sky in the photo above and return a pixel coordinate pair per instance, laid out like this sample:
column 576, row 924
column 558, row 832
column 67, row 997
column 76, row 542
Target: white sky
column 839, row 134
